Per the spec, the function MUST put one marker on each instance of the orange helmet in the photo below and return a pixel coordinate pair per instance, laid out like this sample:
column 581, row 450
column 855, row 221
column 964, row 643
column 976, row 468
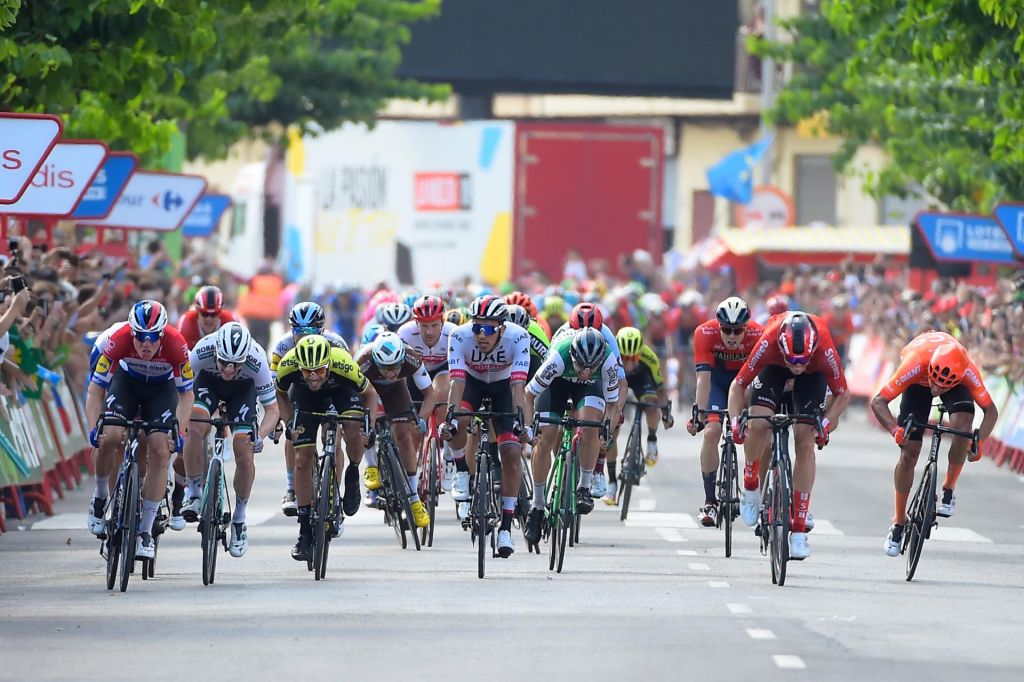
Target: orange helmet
column 519, row 298
column 948, row 364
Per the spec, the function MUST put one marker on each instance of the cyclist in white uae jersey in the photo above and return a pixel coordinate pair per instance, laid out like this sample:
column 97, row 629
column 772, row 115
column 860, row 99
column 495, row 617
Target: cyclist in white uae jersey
column 231, row 368
column 489, row 357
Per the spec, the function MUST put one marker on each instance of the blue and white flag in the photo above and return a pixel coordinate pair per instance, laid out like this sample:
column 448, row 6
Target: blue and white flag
column 733, row 176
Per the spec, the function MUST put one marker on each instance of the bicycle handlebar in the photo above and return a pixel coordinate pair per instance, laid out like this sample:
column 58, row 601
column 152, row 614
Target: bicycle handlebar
column 779, row 422
column 133, row 424
column 573, row 423
column 221, row 424
column 974, row 435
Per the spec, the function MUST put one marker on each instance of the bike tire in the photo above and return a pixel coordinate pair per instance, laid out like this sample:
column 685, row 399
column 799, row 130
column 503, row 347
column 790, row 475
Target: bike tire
column 919, row 520
column 780, row 526
column 393, row 487
column 405, row 503
column 321, row 537
column 728, row 495
column 564, row 524
column 113, row 540
column 129, row 523
column 432, row 476
column 209, row 521
column 480, row 497
column 630, row 470
column 401, row 506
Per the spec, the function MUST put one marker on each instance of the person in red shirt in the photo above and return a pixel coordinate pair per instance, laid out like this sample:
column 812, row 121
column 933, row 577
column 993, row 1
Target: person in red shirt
column 794, row 346
column 933, row 365
column 720, row 347
column 840, row 325
column 206, row 317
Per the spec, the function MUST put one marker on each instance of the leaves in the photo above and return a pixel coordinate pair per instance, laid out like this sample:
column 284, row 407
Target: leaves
column 131, row 72
column 934, row 83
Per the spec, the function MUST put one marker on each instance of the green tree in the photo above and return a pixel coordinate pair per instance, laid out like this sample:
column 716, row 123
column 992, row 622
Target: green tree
column 934, row 83
column 131, row 72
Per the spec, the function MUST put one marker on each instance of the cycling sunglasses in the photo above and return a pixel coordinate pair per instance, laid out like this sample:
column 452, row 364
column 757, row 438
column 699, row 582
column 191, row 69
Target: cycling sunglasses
column 151, row 337
column 318, row 371
column 305, row 330
column 733, row 331
column 209, row 316
column 223, row 364
column 485, row 329
column 798, row 360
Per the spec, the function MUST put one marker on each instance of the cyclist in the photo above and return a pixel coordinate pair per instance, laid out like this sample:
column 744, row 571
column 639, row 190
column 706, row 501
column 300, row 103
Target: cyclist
column 933, row 364
column 313, row 377
column 140, row 368
column 206, row 316
column 585, row 315
column 489, row 357
column 392, row 316
column 305, row 318
column 387, row 365
column 720, row 347
column 427, row 334
column 584, row 369
column 794, row 346
column 539, row 343
column 456, row 316
column 553, row 315
column 643, row 377
column 231, row 368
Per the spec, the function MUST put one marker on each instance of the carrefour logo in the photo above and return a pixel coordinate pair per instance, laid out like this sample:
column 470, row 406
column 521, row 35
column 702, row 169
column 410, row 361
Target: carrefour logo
column 168, row 201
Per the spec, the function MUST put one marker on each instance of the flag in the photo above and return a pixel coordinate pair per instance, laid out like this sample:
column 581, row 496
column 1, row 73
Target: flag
column 733, row 176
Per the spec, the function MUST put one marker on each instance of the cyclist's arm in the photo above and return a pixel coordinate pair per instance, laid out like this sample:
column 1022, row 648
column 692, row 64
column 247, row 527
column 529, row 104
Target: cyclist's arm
column 94, row 403
column 988, row 421
column 271, row 416
column 284, row 406
column 184, row 411
column 836, row 407
column 457, row 387
column 703, row 389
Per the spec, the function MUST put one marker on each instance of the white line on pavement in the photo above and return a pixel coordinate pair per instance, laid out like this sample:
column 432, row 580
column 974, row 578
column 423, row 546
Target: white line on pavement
column 664, row 519
column 686, row 552
column 646, row 505
column 756, row 633
column 792, row 662
column 949, row 534
column 737, row 608
column 699, row 567
column 823, row 527
column 718, row 584
column 670, row 535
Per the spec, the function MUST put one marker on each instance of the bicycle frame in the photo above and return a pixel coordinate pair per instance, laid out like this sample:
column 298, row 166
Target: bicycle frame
column 395, row 490
column 633, row 467
column 728, row 476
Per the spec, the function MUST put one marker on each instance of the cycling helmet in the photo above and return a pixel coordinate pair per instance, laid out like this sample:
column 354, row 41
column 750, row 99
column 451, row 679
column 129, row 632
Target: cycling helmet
column 209, row 300
column 631, row 340
column 798, row 338
column 733, row 312
column 517, row 315
column 388, row 350
column 488, row 308
column 233, row 342
column 587, row 347
column 456, row 316
column 586, row 315
column 393, row 315
column 370, row 333
column 571, row 298
column 554, row 305
column 307, row 314
column 428, row 309
column 313, row 352
column 948, row 364
column 147, row 316
column 524, row 300
column 777, row 305
column 410, row 296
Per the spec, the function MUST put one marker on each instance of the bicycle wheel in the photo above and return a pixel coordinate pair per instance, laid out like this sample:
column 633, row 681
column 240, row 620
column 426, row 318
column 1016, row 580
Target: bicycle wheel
column 480, row 497
column 553, row 509
column 209, row 521
column 430, row 487
column 564, row 522
column 113, row 540
column 321, row 538
column 129, row 523
column 918, row 520
column 574, row 477
column 405, row 505
column 525, row 498
column 629, row 476
column 780, row 525
column 728, row 495
column 401, row 512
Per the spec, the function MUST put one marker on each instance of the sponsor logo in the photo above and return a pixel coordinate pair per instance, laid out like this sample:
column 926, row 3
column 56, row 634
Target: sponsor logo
column 103, row 365
column 833, row 363
column 11, row 159
column 443, row 191
column 907, row 376
column 727, row 356
column 550, row 372
column 49, row 176
column 758, row 352
column 186, row 370
column 498, row 355
column 362, row 187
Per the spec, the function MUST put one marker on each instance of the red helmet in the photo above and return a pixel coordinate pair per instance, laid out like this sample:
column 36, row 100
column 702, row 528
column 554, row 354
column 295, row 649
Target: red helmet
column 586, row 315
column 428, row 309
column 519, row 298
column 777, row 304
column 948, row 365
column 798, row 338
column 209, row 300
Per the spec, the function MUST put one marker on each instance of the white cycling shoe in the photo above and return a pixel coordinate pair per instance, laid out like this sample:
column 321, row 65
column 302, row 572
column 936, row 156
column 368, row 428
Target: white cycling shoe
column 239, row 544
column 750, row 505
column 460, row 489
column 798, row 547
column 505, row 544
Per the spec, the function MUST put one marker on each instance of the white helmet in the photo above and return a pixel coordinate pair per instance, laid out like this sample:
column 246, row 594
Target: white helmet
column 733, row 312
column 517, row 315
column 388, row 350
column 233, row 342
column 393, row 315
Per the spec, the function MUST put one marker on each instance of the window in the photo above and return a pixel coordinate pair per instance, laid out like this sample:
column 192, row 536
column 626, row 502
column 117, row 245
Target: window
column 815, row 189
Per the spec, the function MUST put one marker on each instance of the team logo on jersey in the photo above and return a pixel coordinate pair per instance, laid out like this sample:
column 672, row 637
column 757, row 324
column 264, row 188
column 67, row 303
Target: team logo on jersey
column 103, row 365
column 186, row 370
column 550, row 372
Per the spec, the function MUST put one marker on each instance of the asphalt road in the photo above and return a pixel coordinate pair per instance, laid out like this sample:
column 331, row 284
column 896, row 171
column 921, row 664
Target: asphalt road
column 654, row 598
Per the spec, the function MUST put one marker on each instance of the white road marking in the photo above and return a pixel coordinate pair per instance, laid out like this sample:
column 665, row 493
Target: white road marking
column 646, row 505
column 949, row 534
column 650, row 519
column 699, row 567
column 738, row 608
column 686, row 552
column 792, row 662
column 756, row 633
column 670, row 535
column 718, row 584
column 823, row 527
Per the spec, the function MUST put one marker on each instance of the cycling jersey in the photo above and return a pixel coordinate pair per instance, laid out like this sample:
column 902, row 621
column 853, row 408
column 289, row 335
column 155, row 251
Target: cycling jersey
column 609, row 338
column 913, row 369
column 539, row 341
column 411, row 367
column 435, row 358
column 766, row 353
column 509, row 359
column 204, row 359
column 288, row 341
column 171, row 360
column 188, row 325
column 343, row 370
column 649, row 364
column 100, row 343
column 559, row 365
column 710, row 353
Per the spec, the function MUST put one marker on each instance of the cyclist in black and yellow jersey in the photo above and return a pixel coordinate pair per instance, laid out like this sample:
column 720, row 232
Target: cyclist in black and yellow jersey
column 312, row 377
column 643, row 376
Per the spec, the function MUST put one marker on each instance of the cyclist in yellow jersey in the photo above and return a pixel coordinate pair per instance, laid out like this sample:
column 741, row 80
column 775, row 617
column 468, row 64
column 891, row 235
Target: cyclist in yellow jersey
column 312, row 377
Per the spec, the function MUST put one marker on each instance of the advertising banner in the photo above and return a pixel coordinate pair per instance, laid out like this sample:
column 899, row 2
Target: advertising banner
column 155, row 201
column 25, row 140
column 107, row 186
column 61, row 181
column 204, row 218
column 965, row 237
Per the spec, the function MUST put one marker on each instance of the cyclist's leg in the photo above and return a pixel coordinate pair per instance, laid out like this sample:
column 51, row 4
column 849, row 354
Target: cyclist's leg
column 590, row 406
column 510, row 451
column 808, row 398
column 764, row 401
column 709, row 454
column 398, row 405
column 550, row 403
column 471, row 398
column 960, row 408
column 160, row 405
column 304, row 433
column 240, row 406
column 207, row 390
column 916, row 402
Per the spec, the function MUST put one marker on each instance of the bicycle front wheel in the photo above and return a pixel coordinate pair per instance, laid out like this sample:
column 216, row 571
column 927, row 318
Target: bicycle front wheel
column 209, row 521
column 321, row 537
column 113, row 539
column 630, row 470
column 430, row 488
column 480, row 497
column 728, row 495
column 565, row 522
column 919, row 519
column 779, row 525
column 129, row 523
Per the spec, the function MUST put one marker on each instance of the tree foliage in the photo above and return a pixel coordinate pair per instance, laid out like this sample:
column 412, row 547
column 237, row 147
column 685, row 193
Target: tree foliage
column 935, row 83
column 131, row 72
